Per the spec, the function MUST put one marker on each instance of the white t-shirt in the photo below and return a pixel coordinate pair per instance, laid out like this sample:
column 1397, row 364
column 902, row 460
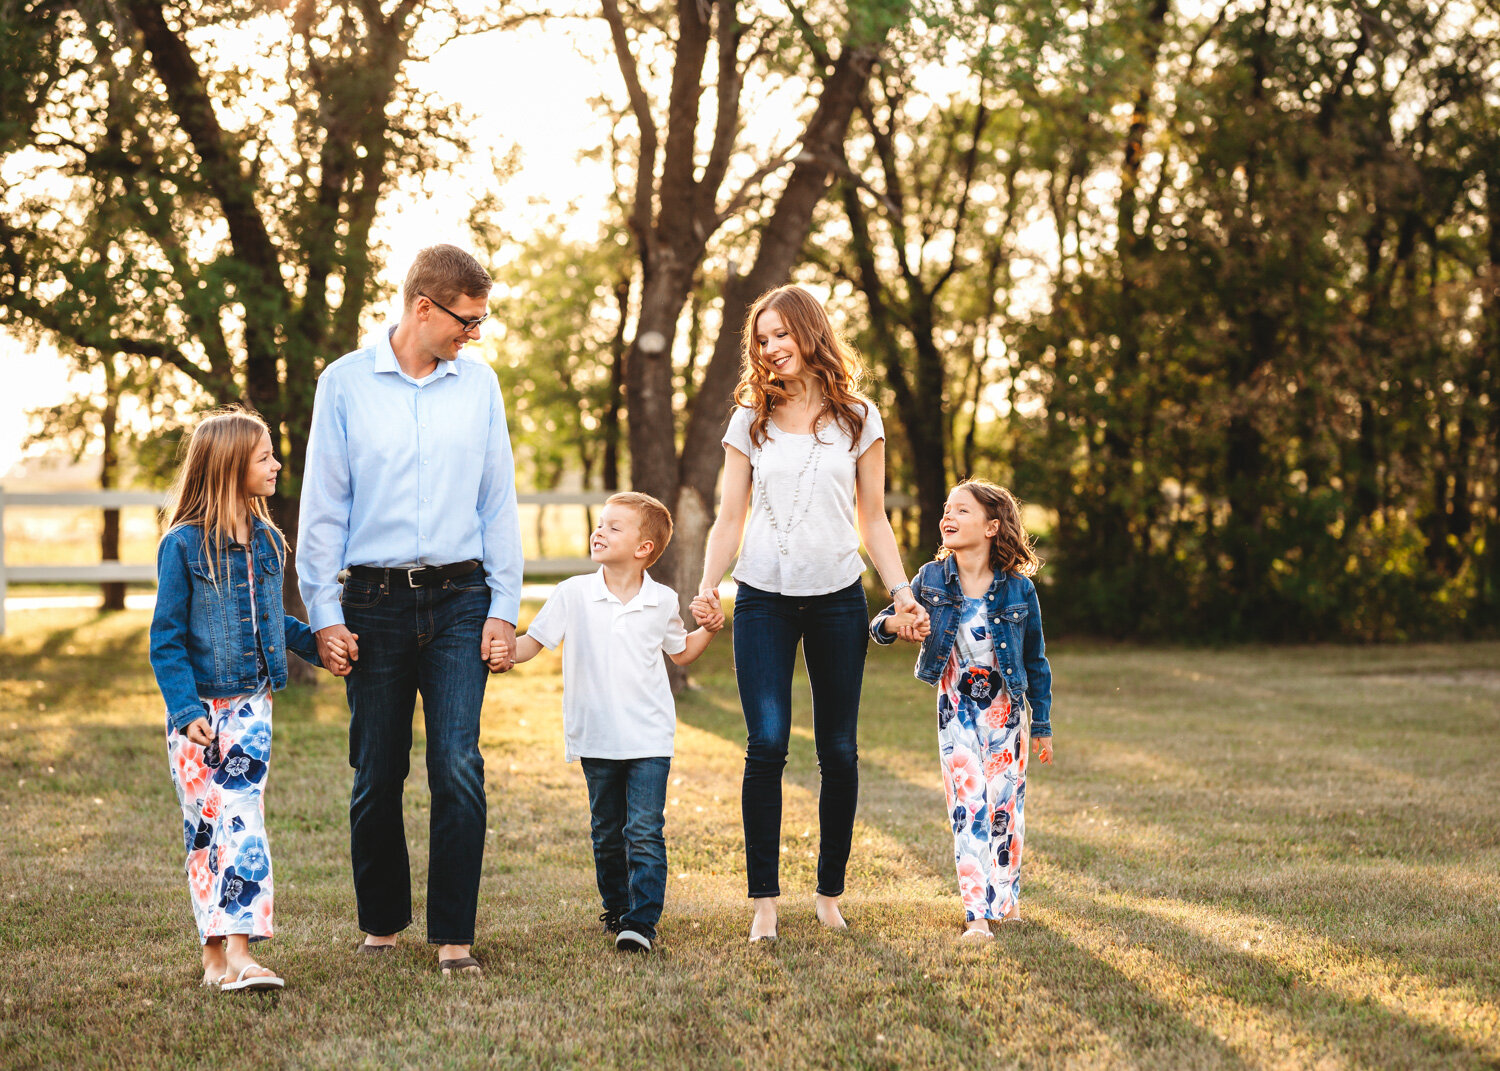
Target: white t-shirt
column 617, row 701
column 807, row 541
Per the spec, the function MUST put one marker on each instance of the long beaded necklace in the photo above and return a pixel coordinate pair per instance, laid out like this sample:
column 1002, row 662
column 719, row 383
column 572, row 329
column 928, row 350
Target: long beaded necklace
column 809, row 469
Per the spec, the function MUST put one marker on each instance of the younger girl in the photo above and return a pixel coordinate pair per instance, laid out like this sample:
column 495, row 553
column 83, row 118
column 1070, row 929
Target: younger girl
column 218, row 648
column 982, row 646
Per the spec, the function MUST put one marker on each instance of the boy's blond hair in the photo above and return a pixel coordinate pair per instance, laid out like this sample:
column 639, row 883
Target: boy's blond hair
column 656, row 519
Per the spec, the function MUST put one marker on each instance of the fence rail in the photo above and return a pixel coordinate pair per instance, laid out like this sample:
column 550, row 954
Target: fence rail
column 123, row 572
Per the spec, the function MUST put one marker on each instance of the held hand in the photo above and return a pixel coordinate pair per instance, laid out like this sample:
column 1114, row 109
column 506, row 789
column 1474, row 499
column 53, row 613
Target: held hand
column 906, row 625
column 497, row 645
column 338, row 648
column 707, row 613
column 499, row 654
column 1042, row 747
column 199, row 733
column 920, row 625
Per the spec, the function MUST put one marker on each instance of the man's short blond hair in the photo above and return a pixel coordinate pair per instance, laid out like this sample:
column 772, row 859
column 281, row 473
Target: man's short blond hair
column 656, row 519
column 443, row 272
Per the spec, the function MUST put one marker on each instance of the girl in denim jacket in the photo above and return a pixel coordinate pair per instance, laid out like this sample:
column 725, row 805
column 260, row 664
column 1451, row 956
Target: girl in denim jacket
column 219, row 639
column 982, row 646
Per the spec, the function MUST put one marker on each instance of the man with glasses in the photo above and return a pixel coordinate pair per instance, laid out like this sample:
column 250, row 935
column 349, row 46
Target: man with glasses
column 409, row 560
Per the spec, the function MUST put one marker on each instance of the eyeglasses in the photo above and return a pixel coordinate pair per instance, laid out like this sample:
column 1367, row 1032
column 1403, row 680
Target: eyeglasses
column 469, row 325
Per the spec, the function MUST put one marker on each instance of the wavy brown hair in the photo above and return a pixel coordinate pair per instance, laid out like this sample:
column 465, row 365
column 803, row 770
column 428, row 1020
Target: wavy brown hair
column 832, row 361
column 1012, row 550
column 210, row 487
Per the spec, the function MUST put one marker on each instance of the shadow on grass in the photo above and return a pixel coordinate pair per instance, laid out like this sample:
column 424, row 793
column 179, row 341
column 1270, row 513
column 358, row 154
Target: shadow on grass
column 1359, row 1023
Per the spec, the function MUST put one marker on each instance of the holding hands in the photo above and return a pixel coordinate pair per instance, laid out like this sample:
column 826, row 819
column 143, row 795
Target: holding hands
column 497, row 645
column 911, row 621
column 708, row 613
column 338, row 648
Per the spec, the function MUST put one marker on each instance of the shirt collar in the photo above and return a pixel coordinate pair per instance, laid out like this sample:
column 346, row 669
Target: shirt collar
column 649, row 595
column 385, row 359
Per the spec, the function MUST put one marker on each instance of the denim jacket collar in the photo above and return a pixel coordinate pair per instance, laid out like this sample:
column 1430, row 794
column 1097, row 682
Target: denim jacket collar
column 951, row 578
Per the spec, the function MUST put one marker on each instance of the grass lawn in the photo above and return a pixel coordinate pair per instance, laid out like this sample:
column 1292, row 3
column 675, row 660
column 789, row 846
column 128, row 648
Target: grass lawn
column 1245, row 858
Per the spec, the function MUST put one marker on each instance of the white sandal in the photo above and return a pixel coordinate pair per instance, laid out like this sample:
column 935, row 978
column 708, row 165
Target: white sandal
column 260, row 981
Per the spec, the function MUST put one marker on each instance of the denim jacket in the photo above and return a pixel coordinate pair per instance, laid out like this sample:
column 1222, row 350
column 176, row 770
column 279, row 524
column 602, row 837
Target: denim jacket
column 202, row 638
column 1016, row 617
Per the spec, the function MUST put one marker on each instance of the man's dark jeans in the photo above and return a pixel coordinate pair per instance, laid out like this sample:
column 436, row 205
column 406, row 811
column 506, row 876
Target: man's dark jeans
column 834, row 632
column 415, row 640
column 628, row 802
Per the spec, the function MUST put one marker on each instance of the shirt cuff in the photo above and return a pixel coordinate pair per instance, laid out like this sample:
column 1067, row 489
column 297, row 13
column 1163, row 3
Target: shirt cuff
column 181, row 719
column 505, row 609
column 320, row 617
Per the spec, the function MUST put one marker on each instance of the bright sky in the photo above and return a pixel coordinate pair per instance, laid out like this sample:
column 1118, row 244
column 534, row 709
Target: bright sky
column 528, row 88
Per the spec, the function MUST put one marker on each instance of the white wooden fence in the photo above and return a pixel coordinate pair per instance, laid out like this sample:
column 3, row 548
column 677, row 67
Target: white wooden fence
column 114, row 571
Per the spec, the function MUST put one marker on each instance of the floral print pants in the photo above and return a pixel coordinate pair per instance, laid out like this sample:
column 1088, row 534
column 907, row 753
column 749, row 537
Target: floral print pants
column 221, row 789
column 982, row 748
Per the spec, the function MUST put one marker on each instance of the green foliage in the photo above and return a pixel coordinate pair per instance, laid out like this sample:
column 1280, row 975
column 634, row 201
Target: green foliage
column 560, row 306
column 1223, row 285
column 194, row 188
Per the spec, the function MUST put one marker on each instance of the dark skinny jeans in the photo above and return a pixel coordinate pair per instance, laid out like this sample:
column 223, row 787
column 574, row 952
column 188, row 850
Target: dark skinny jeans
column 834, row 631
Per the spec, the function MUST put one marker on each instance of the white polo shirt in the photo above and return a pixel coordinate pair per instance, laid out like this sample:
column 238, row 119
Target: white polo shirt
column 617, row 701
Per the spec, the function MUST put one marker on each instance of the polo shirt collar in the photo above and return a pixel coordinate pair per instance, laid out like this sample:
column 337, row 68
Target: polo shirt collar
column 649, row 595
column 385, row 359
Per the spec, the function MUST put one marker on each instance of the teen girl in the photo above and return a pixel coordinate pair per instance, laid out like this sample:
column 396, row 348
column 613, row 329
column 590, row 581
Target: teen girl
column 804, row 483
column 219, row 640
column 982, row 646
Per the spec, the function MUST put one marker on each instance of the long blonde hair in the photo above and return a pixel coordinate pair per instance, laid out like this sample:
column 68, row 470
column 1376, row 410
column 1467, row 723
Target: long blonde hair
column 210, row 486
column 831, row 360
column 1012, row 550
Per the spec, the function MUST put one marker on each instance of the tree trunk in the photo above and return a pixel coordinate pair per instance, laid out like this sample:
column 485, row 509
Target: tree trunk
column 113, row 592
column 780, row 248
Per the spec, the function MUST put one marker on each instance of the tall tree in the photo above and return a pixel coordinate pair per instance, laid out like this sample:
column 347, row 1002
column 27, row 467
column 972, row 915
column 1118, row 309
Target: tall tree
column 240, row 186
column 692, row 173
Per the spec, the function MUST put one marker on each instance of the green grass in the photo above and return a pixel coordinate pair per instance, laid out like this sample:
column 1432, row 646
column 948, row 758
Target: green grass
column 1247, row 858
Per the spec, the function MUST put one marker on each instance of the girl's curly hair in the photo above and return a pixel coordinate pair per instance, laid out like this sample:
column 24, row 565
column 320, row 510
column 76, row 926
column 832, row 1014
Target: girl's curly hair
column 1012, row 550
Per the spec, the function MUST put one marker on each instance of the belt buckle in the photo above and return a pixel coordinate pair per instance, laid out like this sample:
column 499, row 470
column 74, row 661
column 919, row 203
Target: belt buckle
column 411, row 576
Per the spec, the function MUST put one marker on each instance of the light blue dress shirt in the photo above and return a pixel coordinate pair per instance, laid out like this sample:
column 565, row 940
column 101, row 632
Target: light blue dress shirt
column 404, row 472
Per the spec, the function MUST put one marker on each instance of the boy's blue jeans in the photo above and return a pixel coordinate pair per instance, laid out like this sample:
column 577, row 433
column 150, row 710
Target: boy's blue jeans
column 628, row 802
column 417, row 640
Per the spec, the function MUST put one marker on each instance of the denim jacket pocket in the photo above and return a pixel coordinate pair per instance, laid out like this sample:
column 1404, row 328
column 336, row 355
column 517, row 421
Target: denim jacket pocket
column 210, row 616
column 1015, row 615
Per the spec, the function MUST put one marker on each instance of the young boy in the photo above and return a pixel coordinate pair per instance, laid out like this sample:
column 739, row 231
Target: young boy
column 618, row 714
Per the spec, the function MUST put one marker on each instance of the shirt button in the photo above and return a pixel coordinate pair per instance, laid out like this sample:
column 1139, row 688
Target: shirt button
column 1007, row 669
column 1002, row 647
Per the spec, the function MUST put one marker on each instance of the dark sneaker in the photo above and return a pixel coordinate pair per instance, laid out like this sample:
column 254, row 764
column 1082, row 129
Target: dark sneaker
column 630, row 941
column 611, row 920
